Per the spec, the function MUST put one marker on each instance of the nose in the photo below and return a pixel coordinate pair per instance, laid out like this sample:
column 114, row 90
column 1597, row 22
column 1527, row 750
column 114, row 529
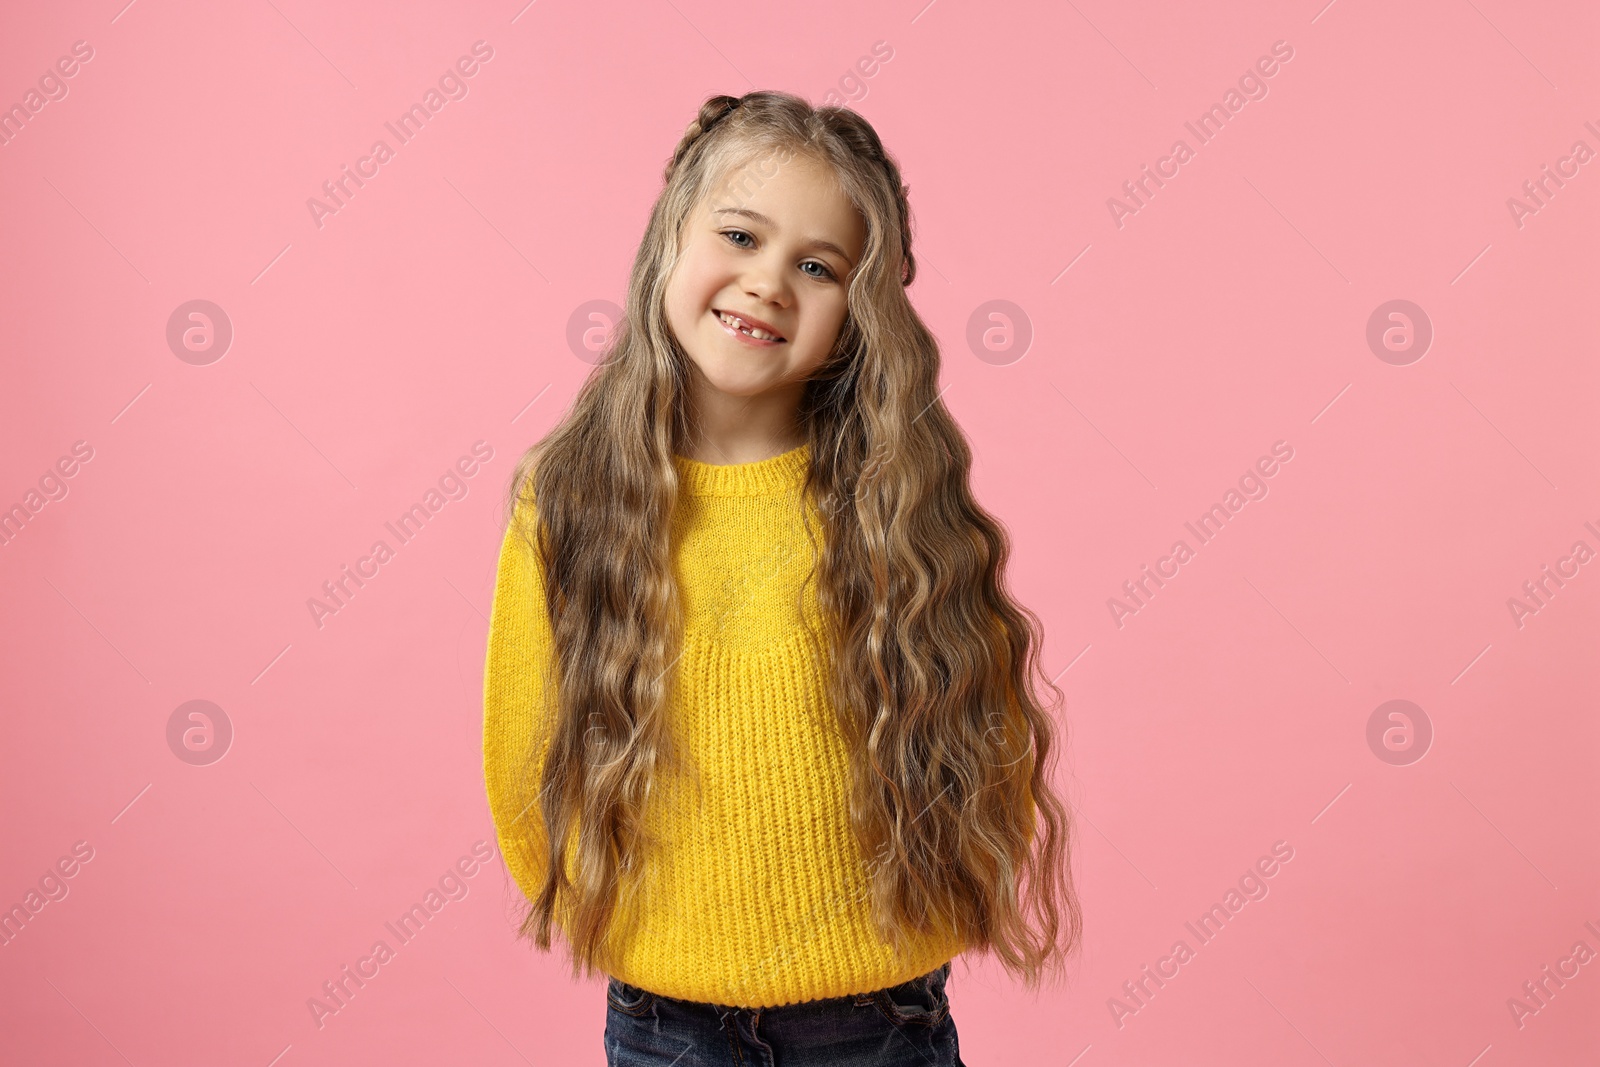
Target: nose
column 766, row 282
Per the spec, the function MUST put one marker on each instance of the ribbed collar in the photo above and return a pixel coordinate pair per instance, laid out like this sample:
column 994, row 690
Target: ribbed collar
column 776, row 475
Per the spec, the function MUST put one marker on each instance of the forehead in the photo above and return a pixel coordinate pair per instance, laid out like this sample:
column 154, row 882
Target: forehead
column 792, row 195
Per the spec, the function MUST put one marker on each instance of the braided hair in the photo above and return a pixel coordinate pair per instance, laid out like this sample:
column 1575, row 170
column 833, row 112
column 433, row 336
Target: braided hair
column 845, row 125
column 712, row 112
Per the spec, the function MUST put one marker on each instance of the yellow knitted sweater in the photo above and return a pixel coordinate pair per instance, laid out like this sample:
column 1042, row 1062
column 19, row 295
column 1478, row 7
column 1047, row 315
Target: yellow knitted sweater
column 759, row 895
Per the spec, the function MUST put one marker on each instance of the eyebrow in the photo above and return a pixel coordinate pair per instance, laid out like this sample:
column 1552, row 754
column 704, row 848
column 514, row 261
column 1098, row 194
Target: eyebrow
column 756, row 216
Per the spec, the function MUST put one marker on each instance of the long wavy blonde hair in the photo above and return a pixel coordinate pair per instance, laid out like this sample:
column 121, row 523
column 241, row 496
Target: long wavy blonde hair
column 930, row 661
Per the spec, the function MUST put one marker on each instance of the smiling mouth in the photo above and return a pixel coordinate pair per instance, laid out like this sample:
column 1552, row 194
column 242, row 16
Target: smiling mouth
column 737, row 325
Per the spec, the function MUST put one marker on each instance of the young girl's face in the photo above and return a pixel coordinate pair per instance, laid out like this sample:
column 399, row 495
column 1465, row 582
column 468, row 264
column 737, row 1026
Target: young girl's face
column 778, row 250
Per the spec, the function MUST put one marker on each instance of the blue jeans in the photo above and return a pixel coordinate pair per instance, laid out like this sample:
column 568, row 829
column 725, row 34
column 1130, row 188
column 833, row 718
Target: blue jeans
column 907, row 1024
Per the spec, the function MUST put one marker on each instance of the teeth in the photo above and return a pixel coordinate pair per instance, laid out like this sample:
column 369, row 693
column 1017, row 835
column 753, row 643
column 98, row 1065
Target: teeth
column 739, row 324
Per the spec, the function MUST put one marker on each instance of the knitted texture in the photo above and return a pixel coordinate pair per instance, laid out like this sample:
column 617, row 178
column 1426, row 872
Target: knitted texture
column 758, row 896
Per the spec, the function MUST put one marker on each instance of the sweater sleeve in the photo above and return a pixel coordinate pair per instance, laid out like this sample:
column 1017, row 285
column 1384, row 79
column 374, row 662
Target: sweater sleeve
column 518, row 709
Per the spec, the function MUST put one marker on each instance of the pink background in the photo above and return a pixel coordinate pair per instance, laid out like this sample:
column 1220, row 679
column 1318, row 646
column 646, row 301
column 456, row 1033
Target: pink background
column 1167, row 356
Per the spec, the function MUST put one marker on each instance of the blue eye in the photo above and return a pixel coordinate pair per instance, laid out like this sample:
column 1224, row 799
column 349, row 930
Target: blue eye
column 827, row 272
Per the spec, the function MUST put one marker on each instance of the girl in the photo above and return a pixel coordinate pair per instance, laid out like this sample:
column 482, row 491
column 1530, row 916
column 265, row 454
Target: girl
column 751, row 658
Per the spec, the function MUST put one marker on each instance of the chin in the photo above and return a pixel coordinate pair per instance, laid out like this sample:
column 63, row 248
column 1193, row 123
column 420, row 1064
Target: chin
column 739, row 385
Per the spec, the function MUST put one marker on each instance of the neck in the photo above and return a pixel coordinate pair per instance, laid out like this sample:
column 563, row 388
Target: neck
column 726, row 429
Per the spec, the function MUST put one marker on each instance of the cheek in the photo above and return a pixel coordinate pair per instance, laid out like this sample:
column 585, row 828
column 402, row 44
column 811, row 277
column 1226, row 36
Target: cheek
column 831, row 322
column 698, row 279
column 683, row 299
